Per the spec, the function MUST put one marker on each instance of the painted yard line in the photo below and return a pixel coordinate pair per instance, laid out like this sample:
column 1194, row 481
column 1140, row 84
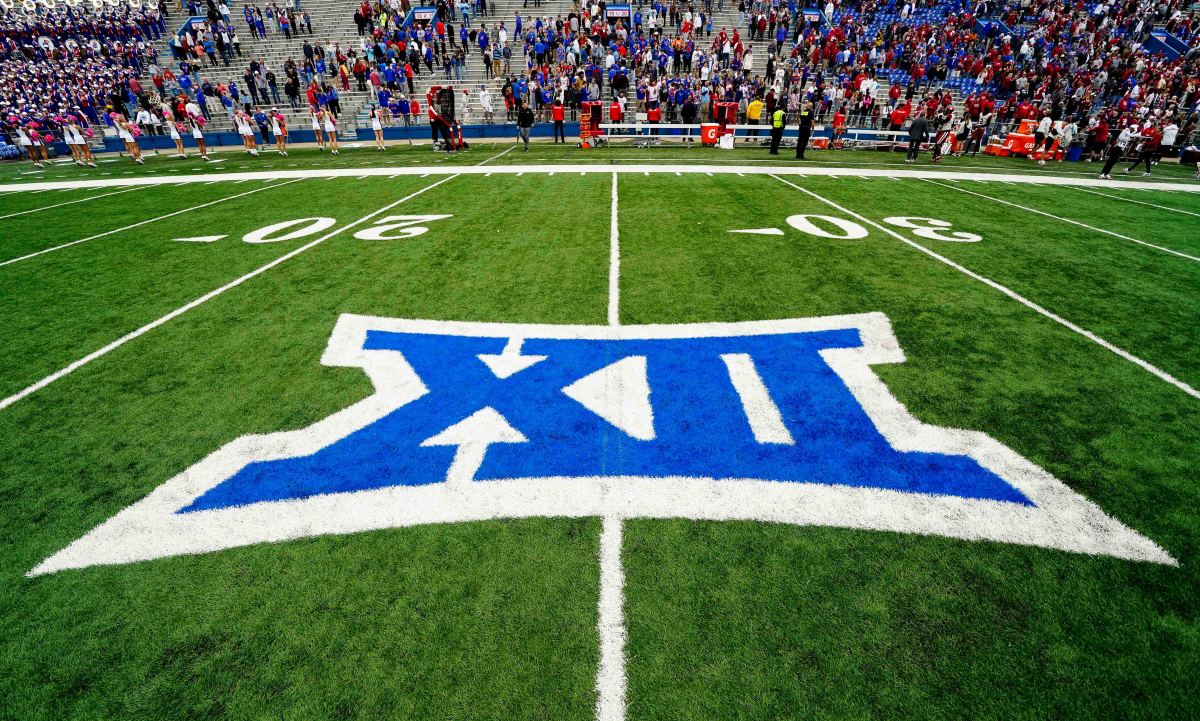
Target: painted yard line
column 610, row 617
column 564, row 168
column 610, row 674
column 1065, row 220
column 1139, row 202
column 614, row 262
column 69, row 202
column 1145, row 365
column 204, row 299
column 506, row 151
column 141, row 223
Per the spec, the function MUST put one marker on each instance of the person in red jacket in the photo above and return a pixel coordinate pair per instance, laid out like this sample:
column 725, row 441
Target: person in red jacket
column 614, row 112
column 558, row 113
column 653, row 116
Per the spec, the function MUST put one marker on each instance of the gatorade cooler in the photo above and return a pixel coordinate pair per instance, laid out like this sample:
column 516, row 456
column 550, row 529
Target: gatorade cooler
column 709, row 132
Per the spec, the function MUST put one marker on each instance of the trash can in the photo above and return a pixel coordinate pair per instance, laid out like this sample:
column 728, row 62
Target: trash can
column 1074, row 153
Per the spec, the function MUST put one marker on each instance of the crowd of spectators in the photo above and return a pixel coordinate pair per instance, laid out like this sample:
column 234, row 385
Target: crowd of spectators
column 77, row 62
column 672, row 59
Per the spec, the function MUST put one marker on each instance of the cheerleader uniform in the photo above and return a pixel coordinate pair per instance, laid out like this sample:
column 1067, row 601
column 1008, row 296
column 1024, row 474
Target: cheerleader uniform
column 375, row 124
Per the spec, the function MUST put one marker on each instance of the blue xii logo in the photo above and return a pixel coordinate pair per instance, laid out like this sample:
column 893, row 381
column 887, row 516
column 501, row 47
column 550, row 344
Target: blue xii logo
column 779, row 421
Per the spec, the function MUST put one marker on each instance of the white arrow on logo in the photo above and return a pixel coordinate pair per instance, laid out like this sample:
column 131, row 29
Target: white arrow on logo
column 510, row 361
column 473, row 435
column 620, row 394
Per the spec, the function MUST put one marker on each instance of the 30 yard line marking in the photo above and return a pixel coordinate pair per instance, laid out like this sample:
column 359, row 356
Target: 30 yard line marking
column 69, row 202
column 1140, row 202
column 1145, row 365
column 1065, row 220
column 29, row 390
column 141, row 223
column 610, row 616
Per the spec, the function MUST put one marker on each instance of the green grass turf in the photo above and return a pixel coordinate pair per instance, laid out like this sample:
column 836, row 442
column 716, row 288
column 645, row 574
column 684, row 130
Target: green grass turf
column 400, row 154
column 497, row 620
column 765, row 622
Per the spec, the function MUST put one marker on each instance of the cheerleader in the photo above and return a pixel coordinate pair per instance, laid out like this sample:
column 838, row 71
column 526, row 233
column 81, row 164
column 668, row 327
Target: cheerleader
column 73, row 137
column 176, row 130
column 24, row 142
column 37, row 145
column 377, row 126
column 125, row 131
column 330, row 123
column 197, row 123
column 245, row 128
column 316, row 126
column 279, row 130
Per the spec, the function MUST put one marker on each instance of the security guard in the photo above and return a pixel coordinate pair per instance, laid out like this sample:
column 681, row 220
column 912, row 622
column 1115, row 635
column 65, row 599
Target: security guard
column 804, row 126
column 778, row 120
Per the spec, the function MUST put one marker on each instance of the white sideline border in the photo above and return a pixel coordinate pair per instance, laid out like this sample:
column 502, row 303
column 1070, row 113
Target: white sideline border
column 660, row 168
column 1120, row 352
column 150, row 528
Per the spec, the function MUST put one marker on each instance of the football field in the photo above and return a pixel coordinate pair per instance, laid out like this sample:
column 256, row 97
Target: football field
column 635, row 435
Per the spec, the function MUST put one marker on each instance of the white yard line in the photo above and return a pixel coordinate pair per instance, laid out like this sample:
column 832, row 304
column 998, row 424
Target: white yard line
column 1092, row 228
column 1145, row 365
column 566, row 168
column 141, row 223
column 506, row 151
column 614, row 262
column 69, row 202
column 610, row 616
column 1140, row 202
column 610, row 675
column 203, row 299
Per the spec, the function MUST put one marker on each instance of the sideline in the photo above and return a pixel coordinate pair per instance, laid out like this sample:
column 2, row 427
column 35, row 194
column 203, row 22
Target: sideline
column 1145, row 365
column 204, row 299
column 1065, row 220
column 632, row 168
column 43, row 251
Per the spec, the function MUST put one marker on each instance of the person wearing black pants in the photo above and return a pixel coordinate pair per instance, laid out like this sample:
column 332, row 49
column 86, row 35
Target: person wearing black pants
column 804, row 121
column 778, row 120
column 918, row 132
column 558, row 112
column 1116, row 150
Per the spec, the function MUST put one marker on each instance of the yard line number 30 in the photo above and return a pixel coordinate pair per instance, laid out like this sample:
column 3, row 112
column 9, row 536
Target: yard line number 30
column 842, row 229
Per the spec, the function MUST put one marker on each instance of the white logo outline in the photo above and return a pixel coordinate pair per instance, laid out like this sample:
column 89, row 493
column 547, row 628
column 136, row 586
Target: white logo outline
column 1060, row 517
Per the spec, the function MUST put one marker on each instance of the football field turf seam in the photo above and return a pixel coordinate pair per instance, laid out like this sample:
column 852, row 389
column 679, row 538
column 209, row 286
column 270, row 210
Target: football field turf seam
column 140, row 223
column 76, row 365
column 69, row 202
column 1139, row 202
column 1080, row 224
column 611, row 682
column 1145, row 365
